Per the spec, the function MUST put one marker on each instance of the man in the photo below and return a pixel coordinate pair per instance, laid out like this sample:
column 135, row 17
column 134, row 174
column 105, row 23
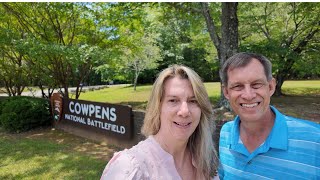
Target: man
column 262, row 143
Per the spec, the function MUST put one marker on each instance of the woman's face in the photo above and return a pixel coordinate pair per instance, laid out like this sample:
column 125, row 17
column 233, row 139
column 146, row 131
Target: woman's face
column 180, row 112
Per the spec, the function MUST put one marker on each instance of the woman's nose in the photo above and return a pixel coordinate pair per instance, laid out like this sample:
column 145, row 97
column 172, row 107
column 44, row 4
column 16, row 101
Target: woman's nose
column 184, row 110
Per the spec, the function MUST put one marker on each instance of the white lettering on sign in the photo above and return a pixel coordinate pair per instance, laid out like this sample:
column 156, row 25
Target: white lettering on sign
column 75, row 118
column 93, row 110
column 85, row 109
column 106, row 126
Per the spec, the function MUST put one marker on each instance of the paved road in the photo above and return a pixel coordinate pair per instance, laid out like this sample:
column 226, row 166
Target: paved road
column 37, row 93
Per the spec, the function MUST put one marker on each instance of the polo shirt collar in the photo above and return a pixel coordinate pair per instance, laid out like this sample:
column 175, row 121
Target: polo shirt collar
column 278, row 137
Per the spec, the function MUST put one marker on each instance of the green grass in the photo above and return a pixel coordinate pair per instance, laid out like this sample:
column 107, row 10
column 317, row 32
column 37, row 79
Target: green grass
column 23, row 158
column 302, row 88
column 120, row 95
column 138, row 99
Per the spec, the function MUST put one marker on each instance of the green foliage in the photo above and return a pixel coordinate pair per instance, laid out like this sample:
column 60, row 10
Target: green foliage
column 195, row 58
column 67, row 44
column 60, row 43
column 287, row 33
column 14, row 72
column 24, row 113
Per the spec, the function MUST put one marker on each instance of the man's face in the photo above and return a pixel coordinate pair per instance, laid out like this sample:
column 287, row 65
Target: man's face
column 249, row 91
column 180, row 112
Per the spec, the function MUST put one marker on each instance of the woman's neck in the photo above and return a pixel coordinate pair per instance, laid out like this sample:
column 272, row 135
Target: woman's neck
column 181, row 155
column 175, row 148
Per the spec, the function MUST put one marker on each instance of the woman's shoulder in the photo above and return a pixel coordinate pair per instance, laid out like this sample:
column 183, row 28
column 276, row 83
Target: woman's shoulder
column 128, row 164
column 121, row 166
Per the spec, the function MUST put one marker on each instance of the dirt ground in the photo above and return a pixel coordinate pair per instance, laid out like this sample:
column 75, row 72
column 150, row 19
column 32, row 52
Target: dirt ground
column 297, row 106
column 304, row 107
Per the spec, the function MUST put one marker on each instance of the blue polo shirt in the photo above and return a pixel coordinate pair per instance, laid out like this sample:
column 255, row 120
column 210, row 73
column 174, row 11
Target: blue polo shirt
column 291, row 151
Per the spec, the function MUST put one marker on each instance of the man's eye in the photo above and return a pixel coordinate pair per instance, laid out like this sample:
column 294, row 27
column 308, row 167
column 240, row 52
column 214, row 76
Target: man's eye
column 237, row 87
column 257, row 85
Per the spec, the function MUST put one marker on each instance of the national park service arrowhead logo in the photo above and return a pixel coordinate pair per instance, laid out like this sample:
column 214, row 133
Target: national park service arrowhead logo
column 56, row 104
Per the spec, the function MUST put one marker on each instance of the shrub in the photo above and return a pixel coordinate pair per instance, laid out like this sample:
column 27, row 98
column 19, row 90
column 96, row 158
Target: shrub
column 24, row 113
column 3, row 100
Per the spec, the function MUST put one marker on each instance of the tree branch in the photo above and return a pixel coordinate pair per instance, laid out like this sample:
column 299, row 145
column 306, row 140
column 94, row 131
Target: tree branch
column 210, row 25
column 303, row 43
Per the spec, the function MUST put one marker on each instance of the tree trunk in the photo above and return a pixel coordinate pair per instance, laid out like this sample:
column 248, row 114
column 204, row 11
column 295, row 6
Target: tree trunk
column 228, row 44
column 280, row 79
column 229, row 39
column 229, row 31
column 7, row 88
column 135, row 81
column 66, row 91
column 42, row 90
column 50, row 92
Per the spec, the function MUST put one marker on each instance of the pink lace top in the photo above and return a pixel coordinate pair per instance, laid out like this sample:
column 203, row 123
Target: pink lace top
column 146, row 160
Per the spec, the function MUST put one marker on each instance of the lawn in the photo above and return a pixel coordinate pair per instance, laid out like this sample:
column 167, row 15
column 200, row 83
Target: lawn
column 302, row 88
column 51, row 154
column 137, row 99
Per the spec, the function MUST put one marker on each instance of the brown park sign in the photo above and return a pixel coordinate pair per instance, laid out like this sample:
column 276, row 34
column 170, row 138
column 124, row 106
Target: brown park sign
column 102, row 118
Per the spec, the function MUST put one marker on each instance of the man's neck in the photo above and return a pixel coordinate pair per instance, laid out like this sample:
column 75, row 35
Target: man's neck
column 253, row 134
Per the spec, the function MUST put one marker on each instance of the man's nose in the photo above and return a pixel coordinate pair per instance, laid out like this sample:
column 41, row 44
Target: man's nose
column 248, row 93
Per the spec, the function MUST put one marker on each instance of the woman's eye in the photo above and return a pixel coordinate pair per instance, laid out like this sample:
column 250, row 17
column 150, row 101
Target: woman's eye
column 173, row 100
column 193, row 101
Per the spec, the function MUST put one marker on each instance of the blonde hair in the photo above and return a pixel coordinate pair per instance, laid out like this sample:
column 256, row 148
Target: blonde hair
column 200, row 142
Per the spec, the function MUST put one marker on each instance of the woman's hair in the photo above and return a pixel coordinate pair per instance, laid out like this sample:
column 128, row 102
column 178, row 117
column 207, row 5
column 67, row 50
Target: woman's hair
column 200, row 142
column 241, row 60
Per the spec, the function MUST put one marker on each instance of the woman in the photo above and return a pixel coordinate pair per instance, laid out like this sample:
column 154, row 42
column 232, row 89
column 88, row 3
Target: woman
column 178, row 123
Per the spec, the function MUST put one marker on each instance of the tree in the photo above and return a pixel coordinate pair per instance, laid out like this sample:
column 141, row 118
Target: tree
column 59, row 35
column 14, row 71
column 224, row 37
column 144, row 58
column 284, row 32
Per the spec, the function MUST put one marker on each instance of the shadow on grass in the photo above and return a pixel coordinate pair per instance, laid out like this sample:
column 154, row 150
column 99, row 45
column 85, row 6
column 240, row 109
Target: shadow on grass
column 39, row 159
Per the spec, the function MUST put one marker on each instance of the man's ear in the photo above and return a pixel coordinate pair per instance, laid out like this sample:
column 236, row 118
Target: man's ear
column 272, row 86
column 225, row 91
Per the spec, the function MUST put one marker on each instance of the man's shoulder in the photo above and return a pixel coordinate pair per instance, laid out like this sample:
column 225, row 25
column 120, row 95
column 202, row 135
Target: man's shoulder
column 302, row 130
column 294, row 122
column 228, row 125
